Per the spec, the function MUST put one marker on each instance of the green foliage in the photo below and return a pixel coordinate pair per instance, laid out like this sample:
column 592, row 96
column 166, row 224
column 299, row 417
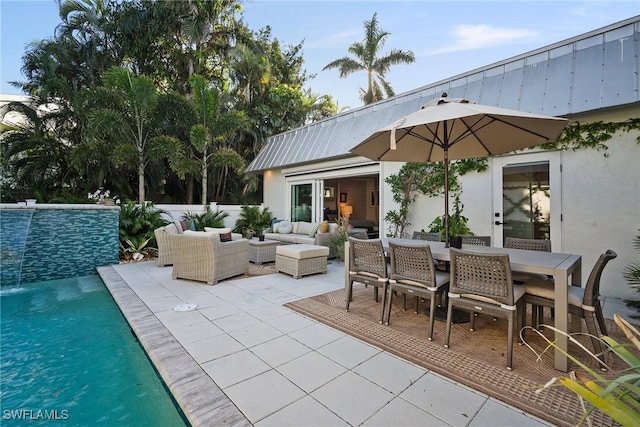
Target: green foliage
column 592, row 135
column 336, row 241
column 208, row 218
column 136, row 249
column 631, row 273
column 253, row 220
column 428, row 179
column 457, row 222
column 365, row 58
column 618, row 395
column 137, row 222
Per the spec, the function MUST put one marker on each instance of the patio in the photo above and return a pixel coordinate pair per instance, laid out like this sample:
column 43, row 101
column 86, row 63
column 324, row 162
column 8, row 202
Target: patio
column 242, row 358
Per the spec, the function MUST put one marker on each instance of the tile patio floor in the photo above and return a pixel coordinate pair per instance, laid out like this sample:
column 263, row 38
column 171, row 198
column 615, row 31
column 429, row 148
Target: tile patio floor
column 280, row 368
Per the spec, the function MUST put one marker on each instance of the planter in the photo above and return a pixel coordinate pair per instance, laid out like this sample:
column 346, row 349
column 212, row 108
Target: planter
column 261, row 237
column 108, row 202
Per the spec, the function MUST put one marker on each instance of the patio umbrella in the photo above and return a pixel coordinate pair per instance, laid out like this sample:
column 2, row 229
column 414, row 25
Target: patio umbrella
column 455, row 129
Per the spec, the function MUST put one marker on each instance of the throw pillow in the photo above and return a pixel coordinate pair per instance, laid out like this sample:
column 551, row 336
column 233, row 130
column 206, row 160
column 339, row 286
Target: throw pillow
column 285, row 227
column 314, row 229
column 171, row 228
column 178, row 225
column 274, row 225
column 225, row 237
column 324, row 227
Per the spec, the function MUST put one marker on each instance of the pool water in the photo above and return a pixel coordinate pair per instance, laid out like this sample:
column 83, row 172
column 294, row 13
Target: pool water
column 68, row 354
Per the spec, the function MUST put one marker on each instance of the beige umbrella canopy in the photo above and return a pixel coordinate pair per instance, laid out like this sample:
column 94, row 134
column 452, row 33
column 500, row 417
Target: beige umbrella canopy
column 456, row 129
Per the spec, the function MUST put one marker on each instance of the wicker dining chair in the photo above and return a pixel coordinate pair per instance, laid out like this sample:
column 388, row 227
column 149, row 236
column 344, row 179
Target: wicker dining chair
column 423, row 235
column 584, row 302
column 367, row 264
column 476, row 240
column 413, row 272
column 542, row 245
column 481, row 282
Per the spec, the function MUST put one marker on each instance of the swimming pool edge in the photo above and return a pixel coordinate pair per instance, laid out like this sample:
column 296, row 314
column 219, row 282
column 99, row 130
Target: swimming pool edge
column 201, row 400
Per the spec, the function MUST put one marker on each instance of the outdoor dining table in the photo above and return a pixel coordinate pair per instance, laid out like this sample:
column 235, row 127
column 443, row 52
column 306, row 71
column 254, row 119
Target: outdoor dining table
column 566, row 269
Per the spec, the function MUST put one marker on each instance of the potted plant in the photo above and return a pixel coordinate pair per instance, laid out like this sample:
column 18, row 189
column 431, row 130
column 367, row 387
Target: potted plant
column 253, row 220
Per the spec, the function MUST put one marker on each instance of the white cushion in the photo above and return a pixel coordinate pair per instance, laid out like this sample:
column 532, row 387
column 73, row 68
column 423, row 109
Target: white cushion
column 285, row 227
column 333, row 227
column 304, row 228
column 302, row 251
column 218, row 230
column 546, row 289
column 171, row 228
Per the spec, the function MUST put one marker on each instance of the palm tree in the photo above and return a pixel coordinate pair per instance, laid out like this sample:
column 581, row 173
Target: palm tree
column 212, row 135
column 129, row 123
column 366, row 59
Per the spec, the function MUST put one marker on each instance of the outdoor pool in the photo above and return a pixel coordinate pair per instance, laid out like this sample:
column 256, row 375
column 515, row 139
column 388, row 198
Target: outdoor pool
column 68, row 354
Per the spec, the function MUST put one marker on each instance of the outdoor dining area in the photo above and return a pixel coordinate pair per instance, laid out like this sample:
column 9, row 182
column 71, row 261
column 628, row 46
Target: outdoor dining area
column 479, row 279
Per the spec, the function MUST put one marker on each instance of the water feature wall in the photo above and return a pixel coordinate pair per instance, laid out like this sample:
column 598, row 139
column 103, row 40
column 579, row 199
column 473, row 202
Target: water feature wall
column 58, row 241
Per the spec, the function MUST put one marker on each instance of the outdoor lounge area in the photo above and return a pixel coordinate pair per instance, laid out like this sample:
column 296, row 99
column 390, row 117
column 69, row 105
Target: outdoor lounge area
column 269, row 349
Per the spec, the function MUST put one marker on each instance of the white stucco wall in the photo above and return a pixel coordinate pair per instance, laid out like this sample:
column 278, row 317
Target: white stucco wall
column 275, row 193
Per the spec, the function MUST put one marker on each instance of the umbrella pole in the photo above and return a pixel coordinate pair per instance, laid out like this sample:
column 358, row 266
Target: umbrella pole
column 446, row 196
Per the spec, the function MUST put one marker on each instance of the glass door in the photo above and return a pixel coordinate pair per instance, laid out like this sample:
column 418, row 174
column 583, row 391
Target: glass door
column 302, row 206
column 527, row 202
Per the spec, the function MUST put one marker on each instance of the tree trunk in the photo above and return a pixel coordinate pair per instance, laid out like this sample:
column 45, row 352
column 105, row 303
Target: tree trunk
column 141, row 195
column 204, row 179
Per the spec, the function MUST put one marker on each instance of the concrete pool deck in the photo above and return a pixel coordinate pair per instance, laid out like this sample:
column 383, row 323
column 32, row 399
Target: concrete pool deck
column 241, row 358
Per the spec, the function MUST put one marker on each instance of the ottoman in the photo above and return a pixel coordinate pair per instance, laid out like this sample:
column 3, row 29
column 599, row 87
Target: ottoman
column 301, row 259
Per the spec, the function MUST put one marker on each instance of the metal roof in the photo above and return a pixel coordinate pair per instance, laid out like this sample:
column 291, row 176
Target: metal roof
column 599, row 69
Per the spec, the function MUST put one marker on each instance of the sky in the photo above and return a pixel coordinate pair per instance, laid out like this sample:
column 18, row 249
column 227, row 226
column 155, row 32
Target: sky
column 447, row 37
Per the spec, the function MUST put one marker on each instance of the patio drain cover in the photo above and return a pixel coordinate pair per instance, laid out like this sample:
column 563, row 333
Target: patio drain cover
column 185, row 307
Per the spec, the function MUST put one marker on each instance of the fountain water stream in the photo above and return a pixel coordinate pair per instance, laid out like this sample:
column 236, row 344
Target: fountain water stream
column 14, row 230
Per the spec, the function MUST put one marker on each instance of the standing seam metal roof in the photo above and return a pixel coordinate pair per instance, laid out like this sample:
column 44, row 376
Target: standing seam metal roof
column 599, row 69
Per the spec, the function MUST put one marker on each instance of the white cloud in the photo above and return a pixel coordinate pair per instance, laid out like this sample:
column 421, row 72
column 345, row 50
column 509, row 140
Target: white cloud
column 470, row 37
column 337, row 39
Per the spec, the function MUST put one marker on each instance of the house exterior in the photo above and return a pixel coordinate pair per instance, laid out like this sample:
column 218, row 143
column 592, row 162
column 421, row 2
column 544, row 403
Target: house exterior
column 586, row 201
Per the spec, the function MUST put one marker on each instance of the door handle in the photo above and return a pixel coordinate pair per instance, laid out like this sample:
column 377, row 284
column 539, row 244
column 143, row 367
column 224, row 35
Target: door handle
column 500, row 223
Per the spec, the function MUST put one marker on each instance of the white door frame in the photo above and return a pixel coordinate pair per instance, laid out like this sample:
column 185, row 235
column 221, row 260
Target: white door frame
column 555, row 184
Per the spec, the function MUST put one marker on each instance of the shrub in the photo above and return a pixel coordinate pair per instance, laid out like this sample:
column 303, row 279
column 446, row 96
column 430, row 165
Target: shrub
column 208, row 218
column 137, row 222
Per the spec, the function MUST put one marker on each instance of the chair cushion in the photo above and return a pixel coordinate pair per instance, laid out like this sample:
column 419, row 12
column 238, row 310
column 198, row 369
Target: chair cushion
column 545, row 289
column 518, row 292
column 302, row 251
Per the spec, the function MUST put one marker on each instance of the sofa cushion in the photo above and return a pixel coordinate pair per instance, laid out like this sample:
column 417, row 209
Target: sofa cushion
column 303, row 227
column 333, row 227
column 284, row 227
column 178, row 225
column 304, row 239
column 323, row 227
column 288, row 238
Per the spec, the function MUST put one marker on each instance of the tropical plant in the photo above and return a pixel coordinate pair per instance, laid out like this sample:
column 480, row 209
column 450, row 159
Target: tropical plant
column 631, row 273
column 208, row 218
column 128, row 124
column 210, row 138
column 365, row 58
column 457, row 222
column 136, row 249
column 616, row 396
column 137, row 222
column 253, row 220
